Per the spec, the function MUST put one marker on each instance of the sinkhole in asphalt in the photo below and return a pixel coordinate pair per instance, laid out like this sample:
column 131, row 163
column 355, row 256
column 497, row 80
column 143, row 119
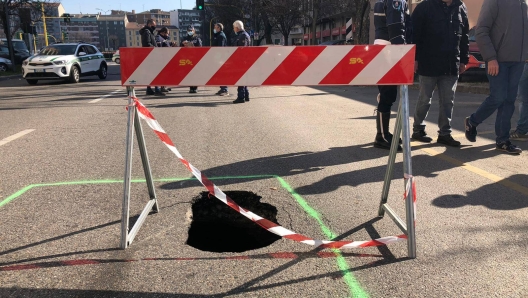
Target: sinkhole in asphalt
column 215, row 227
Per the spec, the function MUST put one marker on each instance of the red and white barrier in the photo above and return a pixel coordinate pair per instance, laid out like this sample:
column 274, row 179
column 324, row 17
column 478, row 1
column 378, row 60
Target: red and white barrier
column 145, row 114
column 268, row 66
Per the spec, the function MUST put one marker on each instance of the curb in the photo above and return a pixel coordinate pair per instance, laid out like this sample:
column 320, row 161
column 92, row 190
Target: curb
column 462, row 89
column 5, row 78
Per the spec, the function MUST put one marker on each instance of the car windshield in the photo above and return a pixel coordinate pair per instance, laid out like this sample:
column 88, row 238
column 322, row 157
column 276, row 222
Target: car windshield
column 58, row 50
column 19, row 45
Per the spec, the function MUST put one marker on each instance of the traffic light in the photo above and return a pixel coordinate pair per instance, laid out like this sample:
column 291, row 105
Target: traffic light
column 66, row 17
column 200, row 5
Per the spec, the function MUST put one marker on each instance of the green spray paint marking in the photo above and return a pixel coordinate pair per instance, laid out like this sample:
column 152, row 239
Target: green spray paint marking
column 353, row 285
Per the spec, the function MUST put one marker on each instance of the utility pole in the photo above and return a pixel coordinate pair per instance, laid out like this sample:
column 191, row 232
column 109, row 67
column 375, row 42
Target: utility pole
column 44, row 24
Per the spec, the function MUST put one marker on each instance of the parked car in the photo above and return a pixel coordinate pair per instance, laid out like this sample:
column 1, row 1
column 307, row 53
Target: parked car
column 66, row 61
column 476, row 67
column 5, row 65
column 20, row 55
column 336, row 42
column 116, row 57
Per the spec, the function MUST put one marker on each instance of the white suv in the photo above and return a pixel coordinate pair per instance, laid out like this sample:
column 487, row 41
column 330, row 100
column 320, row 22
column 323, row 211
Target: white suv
column 67, row 61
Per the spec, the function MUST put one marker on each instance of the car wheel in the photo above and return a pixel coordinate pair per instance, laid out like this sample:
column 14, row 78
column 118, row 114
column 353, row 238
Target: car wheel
column 103, row 71
column 32, row 82
column 117, row 60
column 74, row 74
column 3, row 67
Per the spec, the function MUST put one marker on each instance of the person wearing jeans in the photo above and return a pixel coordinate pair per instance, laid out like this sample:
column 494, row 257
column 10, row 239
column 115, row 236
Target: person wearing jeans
column 502, row 37
column 521, row 132
column 440, row 32
column 503, row 93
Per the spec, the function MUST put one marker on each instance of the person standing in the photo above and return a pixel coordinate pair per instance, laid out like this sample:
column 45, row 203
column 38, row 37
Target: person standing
column 149, row 40
column 220, row 40
column 392, row 22
column 502, row 37
column 521, row 132
column 162, row 40
column 241, row 39
column 440, row 32
column 191, row 40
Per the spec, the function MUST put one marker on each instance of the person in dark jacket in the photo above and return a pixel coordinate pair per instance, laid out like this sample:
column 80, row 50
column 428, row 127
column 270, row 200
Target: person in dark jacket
column 149, row 40
column 191, row 40
column 241, row 39
column 162, row 40
column 440, row 32
column 502, row 38
column 220, row 40
column 392, row 22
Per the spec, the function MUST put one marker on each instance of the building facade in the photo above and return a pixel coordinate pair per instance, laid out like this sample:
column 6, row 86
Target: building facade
column 333, row 28
column 162, row 18
column 82, row 28
column 112, row 31
column 183, row 18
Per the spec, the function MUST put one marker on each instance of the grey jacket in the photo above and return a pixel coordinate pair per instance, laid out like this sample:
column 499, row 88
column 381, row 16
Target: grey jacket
column 502, row 30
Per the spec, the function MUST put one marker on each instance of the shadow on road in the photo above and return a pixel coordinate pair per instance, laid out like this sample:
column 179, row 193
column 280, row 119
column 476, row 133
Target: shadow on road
column 480, row 197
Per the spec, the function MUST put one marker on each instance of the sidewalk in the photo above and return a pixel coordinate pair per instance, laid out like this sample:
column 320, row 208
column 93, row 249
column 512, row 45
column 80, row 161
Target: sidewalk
column 463, row 87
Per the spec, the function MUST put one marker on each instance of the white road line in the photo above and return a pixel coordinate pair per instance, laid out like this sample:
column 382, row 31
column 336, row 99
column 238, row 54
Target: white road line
column 108, row 95
column 15, row 136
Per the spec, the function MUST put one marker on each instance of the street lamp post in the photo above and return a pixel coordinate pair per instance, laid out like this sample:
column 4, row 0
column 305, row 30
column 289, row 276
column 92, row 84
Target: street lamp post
column 106, row 24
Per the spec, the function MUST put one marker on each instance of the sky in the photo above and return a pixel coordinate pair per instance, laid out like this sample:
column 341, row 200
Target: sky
column 90, row 7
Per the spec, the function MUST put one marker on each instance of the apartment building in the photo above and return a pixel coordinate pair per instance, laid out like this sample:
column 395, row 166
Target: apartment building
column 82, row 27
column 182, row 18
column 112, row 31
column 162, row 18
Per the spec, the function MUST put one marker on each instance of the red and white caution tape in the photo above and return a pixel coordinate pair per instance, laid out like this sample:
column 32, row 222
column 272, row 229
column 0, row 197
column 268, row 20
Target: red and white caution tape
column 145, row 114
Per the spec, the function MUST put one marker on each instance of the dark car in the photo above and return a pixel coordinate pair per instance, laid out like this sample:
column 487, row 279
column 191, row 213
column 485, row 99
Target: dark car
column 19, row 54
column 335, row 42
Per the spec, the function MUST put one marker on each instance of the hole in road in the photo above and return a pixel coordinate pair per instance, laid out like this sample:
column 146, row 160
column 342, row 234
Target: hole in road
column 216, row 227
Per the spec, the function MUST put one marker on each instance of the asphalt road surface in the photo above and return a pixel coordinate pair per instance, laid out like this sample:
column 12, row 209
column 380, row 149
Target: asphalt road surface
column 307, row 151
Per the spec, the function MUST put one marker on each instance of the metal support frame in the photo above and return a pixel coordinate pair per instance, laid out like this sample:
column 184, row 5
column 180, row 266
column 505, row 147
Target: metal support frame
column 402, row 128
column 127, row 236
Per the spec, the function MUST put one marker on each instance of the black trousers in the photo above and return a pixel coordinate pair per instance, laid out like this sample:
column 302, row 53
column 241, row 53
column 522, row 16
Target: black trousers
column 193, row 88
column 388, row 95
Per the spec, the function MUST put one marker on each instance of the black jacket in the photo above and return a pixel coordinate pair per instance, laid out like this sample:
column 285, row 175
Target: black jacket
column 219, row 39
column 147, row 37
column 241, row 39
column 392, row 21
column 162, row 41
column 440, row 33
column 195, row 40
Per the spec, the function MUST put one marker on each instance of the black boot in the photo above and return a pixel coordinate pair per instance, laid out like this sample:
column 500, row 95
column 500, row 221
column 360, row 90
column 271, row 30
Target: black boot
column 383, row 137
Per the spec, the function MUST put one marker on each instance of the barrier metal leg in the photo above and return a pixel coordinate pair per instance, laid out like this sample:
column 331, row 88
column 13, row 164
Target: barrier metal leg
column 407, row 169
column 402, row 127
column 133, row 122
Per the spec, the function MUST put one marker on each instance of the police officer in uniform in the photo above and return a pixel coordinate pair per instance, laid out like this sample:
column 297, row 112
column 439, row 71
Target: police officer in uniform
column 393, row 26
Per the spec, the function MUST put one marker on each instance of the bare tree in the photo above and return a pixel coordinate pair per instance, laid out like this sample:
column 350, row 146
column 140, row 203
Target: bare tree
column 317, row 10
column 10, row 15
column 362, row 21
column 286, row 14
column 227, row 11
